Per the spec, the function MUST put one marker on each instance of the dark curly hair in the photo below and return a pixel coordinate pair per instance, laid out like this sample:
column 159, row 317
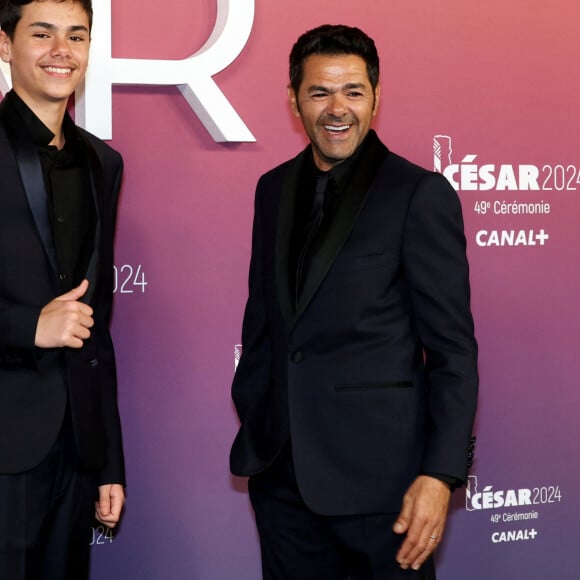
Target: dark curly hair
column 11, row 12
column 333, row 39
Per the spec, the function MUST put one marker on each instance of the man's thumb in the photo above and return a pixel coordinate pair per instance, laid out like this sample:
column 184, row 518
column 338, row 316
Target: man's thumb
column 76, row 293
column 401, row 525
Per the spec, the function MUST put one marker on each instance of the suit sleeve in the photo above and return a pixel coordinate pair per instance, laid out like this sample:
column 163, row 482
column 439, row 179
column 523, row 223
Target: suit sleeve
column 436, row 268
column 18, row 324
column 114, row 471
column 253, row 368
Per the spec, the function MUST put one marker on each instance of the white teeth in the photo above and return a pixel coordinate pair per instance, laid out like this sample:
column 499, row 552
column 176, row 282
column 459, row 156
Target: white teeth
column 337, row 129
column 58, row 70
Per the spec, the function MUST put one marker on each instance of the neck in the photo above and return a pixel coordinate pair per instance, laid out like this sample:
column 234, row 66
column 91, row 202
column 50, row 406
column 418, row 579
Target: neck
column 51, row 113
column 53, row 117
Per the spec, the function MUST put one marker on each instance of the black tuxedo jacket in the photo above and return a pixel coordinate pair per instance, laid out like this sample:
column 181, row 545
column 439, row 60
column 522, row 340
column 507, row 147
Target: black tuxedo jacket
column 373, row 375
column 37, row 384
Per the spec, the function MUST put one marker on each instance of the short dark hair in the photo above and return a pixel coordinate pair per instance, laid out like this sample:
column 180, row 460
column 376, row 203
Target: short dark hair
column 333, row 39
column 11, row 12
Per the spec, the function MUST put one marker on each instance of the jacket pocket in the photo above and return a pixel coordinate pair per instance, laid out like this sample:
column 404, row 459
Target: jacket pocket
column 360, row 262
column 373, row 386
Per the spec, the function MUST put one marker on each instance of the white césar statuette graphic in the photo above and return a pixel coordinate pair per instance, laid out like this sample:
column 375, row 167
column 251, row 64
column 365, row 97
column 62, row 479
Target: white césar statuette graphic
column 442, row 152
column 192, row 75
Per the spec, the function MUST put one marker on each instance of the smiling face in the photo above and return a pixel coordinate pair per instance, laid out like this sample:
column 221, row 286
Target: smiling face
column 48, row 53
column 336, row 104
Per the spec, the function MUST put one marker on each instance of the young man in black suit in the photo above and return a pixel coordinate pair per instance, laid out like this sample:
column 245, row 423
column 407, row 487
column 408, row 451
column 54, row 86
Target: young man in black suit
column 61, row 457
column 357, row 385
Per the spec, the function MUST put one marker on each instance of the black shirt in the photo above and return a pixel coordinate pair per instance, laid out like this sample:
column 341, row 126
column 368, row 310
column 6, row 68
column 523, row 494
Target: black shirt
column 71, row 207
column 314, row 211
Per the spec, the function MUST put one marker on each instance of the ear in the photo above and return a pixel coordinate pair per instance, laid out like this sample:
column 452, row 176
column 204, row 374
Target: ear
column 5, row 47
column 377, row 99
column 293, row 97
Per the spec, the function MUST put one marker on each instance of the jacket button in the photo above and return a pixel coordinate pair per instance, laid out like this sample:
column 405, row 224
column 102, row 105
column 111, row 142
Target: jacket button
column 94, row 362
column 297, row 357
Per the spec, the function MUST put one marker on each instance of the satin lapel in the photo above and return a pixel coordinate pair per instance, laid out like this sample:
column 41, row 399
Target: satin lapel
column 97, row 188
column 350, row 205
column 283, row 237
column 33, row 182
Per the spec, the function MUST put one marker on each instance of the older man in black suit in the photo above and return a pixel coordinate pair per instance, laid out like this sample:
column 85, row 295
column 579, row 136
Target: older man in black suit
column 357, row 386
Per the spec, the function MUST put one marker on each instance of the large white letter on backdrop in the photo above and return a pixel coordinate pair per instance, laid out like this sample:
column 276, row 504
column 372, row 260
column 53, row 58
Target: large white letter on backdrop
column 192, row 75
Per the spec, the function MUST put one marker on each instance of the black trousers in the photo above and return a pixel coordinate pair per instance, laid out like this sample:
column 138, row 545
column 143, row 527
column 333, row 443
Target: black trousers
column 46, row 516
column 298, row 544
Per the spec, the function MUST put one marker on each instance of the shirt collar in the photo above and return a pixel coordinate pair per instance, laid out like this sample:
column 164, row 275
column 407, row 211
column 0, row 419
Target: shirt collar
column 40, row 133
column 342, row 171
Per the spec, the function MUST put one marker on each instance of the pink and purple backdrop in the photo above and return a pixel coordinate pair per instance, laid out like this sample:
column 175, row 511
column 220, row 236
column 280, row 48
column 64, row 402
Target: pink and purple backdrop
column 500, row 80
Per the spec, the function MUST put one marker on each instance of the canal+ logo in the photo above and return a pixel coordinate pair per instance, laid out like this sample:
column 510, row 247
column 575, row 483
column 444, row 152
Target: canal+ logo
column 471, row 176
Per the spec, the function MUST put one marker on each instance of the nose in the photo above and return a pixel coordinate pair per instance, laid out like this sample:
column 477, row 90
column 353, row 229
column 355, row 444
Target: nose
column 337, row 106
column 60, row 48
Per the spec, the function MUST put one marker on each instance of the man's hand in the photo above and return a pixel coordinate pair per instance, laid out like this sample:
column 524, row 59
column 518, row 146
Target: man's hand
column 108, row 508
column 422, row 518
column 65, row 321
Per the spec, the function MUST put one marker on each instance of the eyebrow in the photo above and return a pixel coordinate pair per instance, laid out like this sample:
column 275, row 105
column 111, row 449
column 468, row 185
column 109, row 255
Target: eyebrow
column 53, row 27
column 347, row 87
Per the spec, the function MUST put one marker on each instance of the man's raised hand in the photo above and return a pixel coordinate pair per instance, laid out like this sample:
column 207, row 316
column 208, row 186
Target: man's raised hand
column 65, row 321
